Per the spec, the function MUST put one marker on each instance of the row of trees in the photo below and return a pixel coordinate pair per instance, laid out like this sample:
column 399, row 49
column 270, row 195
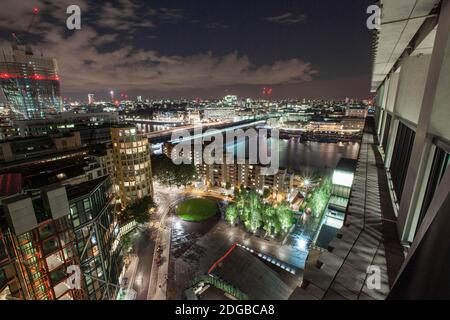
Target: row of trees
column 250, row 209
column 170, row 174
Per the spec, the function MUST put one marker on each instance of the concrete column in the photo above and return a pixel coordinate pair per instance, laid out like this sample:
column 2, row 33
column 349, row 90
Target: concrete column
column 440, row 53
column 418, row 196
column 425, row 271
column 390, row 141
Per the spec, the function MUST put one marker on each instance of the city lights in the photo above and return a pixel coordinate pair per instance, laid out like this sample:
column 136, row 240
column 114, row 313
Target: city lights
column 224, row 150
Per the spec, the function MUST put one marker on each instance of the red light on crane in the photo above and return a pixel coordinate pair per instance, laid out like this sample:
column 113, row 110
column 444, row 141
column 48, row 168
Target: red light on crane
column 35, row 10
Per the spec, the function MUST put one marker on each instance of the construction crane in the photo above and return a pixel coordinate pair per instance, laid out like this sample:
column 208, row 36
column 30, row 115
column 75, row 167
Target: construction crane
column 17, row 41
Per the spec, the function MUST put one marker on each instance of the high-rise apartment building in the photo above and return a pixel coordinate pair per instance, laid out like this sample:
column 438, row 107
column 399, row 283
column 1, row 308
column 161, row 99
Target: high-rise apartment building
column 30, row 83
column 133, row 173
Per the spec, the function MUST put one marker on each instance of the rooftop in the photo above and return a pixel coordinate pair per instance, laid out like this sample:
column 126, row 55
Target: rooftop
column 347, row 164
column 250, row 275
column 85, row 188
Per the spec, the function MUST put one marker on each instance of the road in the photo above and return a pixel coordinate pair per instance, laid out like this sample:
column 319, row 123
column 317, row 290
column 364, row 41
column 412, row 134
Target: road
column 146, row 276
column 144, row 247
column 166, row 198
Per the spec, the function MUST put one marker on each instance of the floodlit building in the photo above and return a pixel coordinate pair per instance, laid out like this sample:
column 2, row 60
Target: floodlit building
column 133, row 173
column 30, row 83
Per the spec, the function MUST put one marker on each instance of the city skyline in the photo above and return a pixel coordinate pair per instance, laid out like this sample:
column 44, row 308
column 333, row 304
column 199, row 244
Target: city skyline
column 179, row 50
column 212, row 151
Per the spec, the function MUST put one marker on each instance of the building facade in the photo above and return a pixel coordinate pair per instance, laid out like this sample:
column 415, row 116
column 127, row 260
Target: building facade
column 39, row 234
column 96, row 228
column 398, row 212
column 133, row 173
column 30, row 83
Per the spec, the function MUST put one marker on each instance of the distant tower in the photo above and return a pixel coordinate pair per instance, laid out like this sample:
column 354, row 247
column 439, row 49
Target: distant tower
column 111, row 93
column 90, row 98
column 139, row 98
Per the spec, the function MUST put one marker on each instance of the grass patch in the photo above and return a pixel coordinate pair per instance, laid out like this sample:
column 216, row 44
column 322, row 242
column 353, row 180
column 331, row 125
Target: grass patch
column 196, row 210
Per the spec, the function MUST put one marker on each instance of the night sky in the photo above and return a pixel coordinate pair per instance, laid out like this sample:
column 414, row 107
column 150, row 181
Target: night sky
column 208, row 48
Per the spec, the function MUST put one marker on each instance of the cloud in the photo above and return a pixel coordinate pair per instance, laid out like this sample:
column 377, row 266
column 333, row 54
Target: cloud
column 216, row 25
column 15, row 16
column 126, row 15
column 86, row 64
column 83, row 66
column 170, row 15
column 288, row 18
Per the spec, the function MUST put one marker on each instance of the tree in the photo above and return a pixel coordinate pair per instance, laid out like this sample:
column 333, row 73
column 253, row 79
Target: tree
column 231, row 214
column 169, row 174
column 285, row 216
column 254, row 204
column 269, row 219
column 317, row 200
column 254, row 213
column 127, row 243
column 139, row 211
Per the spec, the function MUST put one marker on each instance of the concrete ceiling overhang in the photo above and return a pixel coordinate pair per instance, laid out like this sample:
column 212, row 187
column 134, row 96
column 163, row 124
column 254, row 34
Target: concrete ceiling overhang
column 400, row 21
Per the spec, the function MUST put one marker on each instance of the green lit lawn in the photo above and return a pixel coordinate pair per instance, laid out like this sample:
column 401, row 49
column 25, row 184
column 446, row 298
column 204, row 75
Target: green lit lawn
column 196, row 210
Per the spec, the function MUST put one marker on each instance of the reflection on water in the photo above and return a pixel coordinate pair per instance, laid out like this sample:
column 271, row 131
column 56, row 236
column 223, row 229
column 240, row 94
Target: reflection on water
column 308, row 157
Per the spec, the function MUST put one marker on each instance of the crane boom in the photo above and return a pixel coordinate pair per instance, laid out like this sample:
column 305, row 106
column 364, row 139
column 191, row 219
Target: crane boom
column 17, row 40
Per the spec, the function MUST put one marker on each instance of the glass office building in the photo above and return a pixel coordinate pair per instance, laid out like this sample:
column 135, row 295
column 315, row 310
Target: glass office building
column 30, row 83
